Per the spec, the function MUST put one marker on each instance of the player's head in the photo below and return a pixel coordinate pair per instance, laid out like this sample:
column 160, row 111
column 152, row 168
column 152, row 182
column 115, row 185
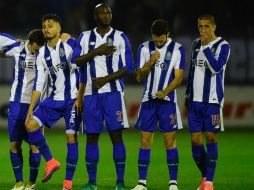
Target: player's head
column 36, row 40
column 206, row 24
column 160, row 33
column 51, row 26
column 103, row 15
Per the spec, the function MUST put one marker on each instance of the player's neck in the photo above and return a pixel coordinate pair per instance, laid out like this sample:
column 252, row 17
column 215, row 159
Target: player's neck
column 102, row 30
column 52, row 42
column 212, row 38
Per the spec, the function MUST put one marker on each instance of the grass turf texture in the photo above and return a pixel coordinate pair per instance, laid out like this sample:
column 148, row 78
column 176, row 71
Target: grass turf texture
column 234, row 169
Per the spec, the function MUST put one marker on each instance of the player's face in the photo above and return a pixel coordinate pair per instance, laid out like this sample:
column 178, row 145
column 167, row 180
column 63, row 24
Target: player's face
column 159, row 40
column 34, row 47
column 103, row 16
column 205, row 27
column 51, row 29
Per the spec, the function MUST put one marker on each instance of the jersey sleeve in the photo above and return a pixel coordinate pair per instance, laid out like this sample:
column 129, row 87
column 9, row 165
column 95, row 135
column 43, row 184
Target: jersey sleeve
column 6, row 39
column 41, row 74
column 126, row 53
column 78, row 49
column 215, row 65
column 12, row 49
column 180, row 64
column 140, row 57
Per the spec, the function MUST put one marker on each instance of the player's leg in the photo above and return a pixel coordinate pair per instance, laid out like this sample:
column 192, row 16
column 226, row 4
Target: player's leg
column 212, row 127
column 168, row 125
column 46, row 114
column 119, row 156
column 115, row 116
column 195, row 123
column 34, row 163
column 72, row 121
column 16, row 131
column 146, row 123
column 93, row 126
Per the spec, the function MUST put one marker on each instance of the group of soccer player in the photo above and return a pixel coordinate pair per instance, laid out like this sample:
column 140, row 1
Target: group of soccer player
column 84, row 78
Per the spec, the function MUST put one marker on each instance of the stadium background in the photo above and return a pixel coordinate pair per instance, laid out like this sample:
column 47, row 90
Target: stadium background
column 235, row 23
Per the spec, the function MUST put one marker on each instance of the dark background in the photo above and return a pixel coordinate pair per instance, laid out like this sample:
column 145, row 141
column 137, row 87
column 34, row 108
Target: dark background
column 235, row 23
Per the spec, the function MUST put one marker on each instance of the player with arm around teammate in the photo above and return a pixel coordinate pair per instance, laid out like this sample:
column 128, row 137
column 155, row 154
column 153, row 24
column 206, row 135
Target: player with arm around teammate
column 205, row 97
column 53, row 61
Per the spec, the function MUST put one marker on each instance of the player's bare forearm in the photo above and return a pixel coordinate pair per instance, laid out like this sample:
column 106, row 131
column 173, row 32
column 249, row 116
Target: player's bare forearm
column 34, row 99
column 81, row 91
column 116, row 75
column 144, row 71
column 177, row 81
column 84, row 59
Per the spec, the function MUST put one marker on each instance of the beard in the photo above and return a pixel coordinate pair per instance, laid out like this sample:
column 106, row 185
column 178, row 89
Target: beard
column 48, row 38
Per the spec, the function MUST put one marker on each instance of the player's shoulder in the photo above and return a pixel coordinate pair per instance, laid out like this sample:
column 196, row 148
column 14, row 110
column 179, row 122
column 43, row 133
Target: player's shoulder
column 222, row 41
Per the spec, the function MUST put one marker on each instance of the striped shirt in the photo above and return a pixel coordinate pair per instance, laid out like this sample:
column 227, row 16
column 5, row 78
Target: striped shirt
column 24, row 72
column 103, row 65
column 56, row 63
column 172, row 56
column 6, row 40
column 207, row 71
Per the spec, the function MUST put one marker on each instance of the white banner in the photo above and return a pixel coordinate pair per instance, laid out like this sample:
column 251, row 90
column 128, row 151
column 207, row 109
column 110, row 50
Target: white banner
column 238, row 107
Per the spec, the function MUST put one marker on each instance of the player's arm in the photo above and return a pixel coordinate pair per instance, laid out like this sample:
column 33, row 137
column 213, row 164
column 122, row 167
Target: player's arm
column 103, row 49
column 178, row 72
column 173, row 85
column 145, row 70
column 40, row 79
column 78, row 105
column 101, row 81
column 215, row 65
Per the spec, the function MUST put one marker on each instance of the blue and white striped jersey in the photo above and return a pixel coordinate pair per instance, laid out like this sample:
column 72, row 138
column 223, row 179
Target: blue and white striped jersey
column 207, row 71
column 24, row 72
column 172, row 56
column 6, row 40
column 56, row 63
column 103, row 65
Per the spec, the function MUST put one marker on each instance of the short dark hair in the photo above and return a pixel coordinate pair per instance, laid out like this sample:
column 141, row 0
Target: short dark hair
column 36, row 36
column 159, row 27
column 207, row 17
column 52, row 17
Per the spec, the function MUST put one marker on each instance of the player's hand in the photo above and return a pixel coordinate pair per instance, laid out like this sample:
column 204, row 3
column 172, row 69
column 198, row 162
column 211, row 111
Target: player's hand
column 78, row 105
column 104, row 49
column 204, row 38
column 29, row 116
column 65, row 37
column 155, row 56
column 99, row 82
column 161, row 95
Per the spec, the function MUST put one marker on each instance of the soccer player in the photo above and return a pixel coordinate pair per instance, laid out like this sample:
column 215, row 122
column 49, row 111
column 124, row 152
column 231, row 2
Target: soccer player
column 161, row 62
column 104, row 55
column 24, row 54
column 205, row 97
column 53, row 61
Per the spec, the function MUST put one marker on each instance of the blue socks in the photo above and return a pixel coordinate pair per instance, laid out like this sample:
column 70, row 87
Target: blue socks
column 173, row 160
column 199, row 155
column 34, row 162
column 211, row 160
column 71, row 160
column 143, row 162
column 119, row 156
column 17, row 165
column 36, row 138
column 92, row 159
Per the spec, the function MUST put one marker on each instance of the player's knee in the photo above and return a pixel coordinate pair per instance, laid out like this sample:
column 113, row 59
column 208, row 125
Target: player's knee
column 211, row 138
column 170, row 143
column 71, row 138
column 15, row 147
column 196, row 139
column 32, row 125
column 146, row 142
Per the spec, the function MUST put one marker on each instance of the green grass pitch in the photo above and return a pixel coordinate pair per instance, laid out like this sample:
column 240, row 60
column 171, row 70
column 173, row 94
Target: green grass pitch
column 235, row 169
